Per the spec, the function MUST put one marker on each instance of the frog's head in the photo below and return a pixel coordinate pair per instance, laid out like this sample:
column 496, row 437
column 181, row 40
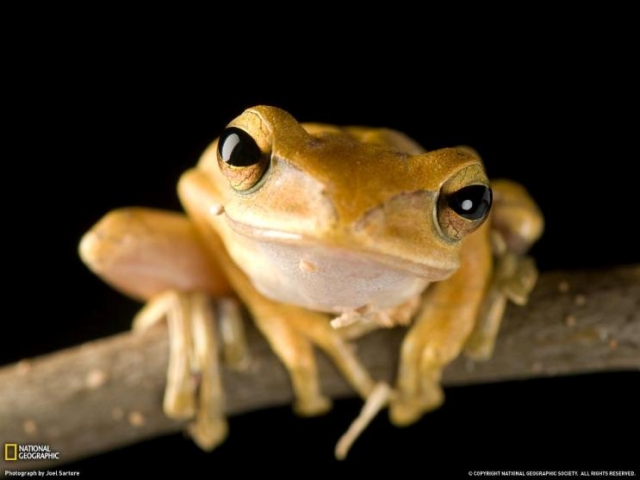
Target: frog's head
column 334, row 219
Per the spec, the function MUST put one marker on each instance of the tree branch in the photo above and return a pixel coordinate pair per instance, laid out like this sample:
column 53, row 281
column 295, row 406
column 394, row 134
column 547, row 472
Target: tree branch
column 108, row 393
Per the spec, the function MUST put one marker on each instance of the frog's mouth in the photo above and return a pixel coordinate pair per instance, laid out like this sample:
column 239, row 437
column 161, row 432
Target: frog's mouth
column 290, row 268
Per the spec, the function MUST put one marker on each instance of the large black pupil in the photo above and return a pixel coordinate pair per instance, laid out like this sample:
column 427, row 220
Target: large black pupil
column 237, row 148
column 471, row 202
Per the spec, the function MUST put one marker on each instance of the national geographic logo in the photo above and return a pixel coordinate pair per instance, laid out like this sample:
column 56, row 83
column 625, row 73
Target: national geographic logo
column 14, row 452
column 11, row 452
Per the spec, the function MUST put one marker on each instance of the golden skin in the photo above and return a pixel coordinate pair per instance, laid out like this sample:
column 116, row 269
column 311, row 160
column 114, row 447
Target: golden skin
column 352, row 224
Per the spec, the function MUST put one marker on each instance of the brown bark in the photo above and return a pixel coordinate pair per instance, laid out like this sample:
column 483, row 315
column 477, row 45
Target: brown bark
column 108, row 393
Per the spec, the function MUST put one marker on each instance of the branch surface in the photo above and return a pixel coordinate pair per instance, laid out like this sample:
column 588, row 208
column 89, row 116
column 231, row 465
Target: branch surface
column 108, row 393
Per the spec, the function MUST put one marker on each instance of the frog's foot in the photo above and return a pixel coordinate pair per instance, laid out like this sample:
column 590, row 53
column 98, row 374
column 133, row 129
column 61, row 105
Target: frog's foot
column 408, row 407
column 513, row 280
column 516, row 224
column 292, row 331
column 194, row 388
column 448, row 314
column 429, row 346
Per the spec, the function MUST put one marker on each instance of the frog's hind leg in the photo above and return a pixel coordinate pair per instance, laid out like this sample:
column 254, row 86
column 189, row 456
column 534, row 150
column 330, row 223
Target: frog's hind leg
column 516, row 223
column 156, row 256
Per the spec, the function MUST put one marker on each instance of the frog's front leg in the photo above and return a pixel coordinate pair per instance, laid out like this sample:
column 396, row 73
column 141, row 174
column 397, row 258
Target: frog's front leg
column 447, row 317
column 516, row 223
column 291, row 332
column 156, row 256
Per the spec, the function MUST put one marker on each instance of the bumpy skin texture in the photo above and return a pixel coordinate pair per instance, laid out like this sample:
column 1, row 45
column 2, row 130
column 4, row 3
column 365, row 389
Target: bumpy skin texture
column 306, row 223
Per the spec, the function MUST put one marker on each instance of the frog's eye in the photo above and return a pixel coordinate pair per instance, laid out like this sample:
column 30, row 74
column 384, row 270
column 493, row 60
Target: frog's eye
column 240, row 159
column 461, row 212
column 471, row 202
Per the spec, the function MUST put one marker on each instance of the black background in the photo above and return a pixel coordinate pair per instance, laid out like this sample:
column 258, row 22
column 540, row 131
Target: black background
column 98, row 124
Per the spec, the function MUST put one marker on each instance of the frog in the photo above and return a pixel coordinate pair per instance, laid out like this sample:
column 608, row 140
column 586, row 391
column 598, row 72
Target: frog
column 323, row 234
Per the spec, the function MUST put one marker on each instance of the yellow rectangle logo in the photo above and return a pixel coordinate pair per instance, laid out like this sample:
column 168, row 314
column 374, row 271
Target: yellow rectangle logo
column 10, row 452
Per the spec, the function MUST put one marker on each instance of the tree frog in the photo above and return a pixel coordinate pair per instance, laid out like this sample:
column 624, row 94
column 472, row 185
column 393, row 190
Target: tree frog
column 323, row 233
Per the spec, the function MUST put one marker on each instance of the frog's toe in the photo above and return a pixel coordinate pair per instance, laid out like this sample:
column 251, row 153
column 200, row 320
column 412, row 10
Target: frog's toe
column 318, row 405
column 480, row 344
column 431, row 396
column 404, row 411
column 208, row 433
column 235, row 351
column 480, row 348
column 520, row 283
column 407, row 410
column 209, row 428
column 380, row 396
